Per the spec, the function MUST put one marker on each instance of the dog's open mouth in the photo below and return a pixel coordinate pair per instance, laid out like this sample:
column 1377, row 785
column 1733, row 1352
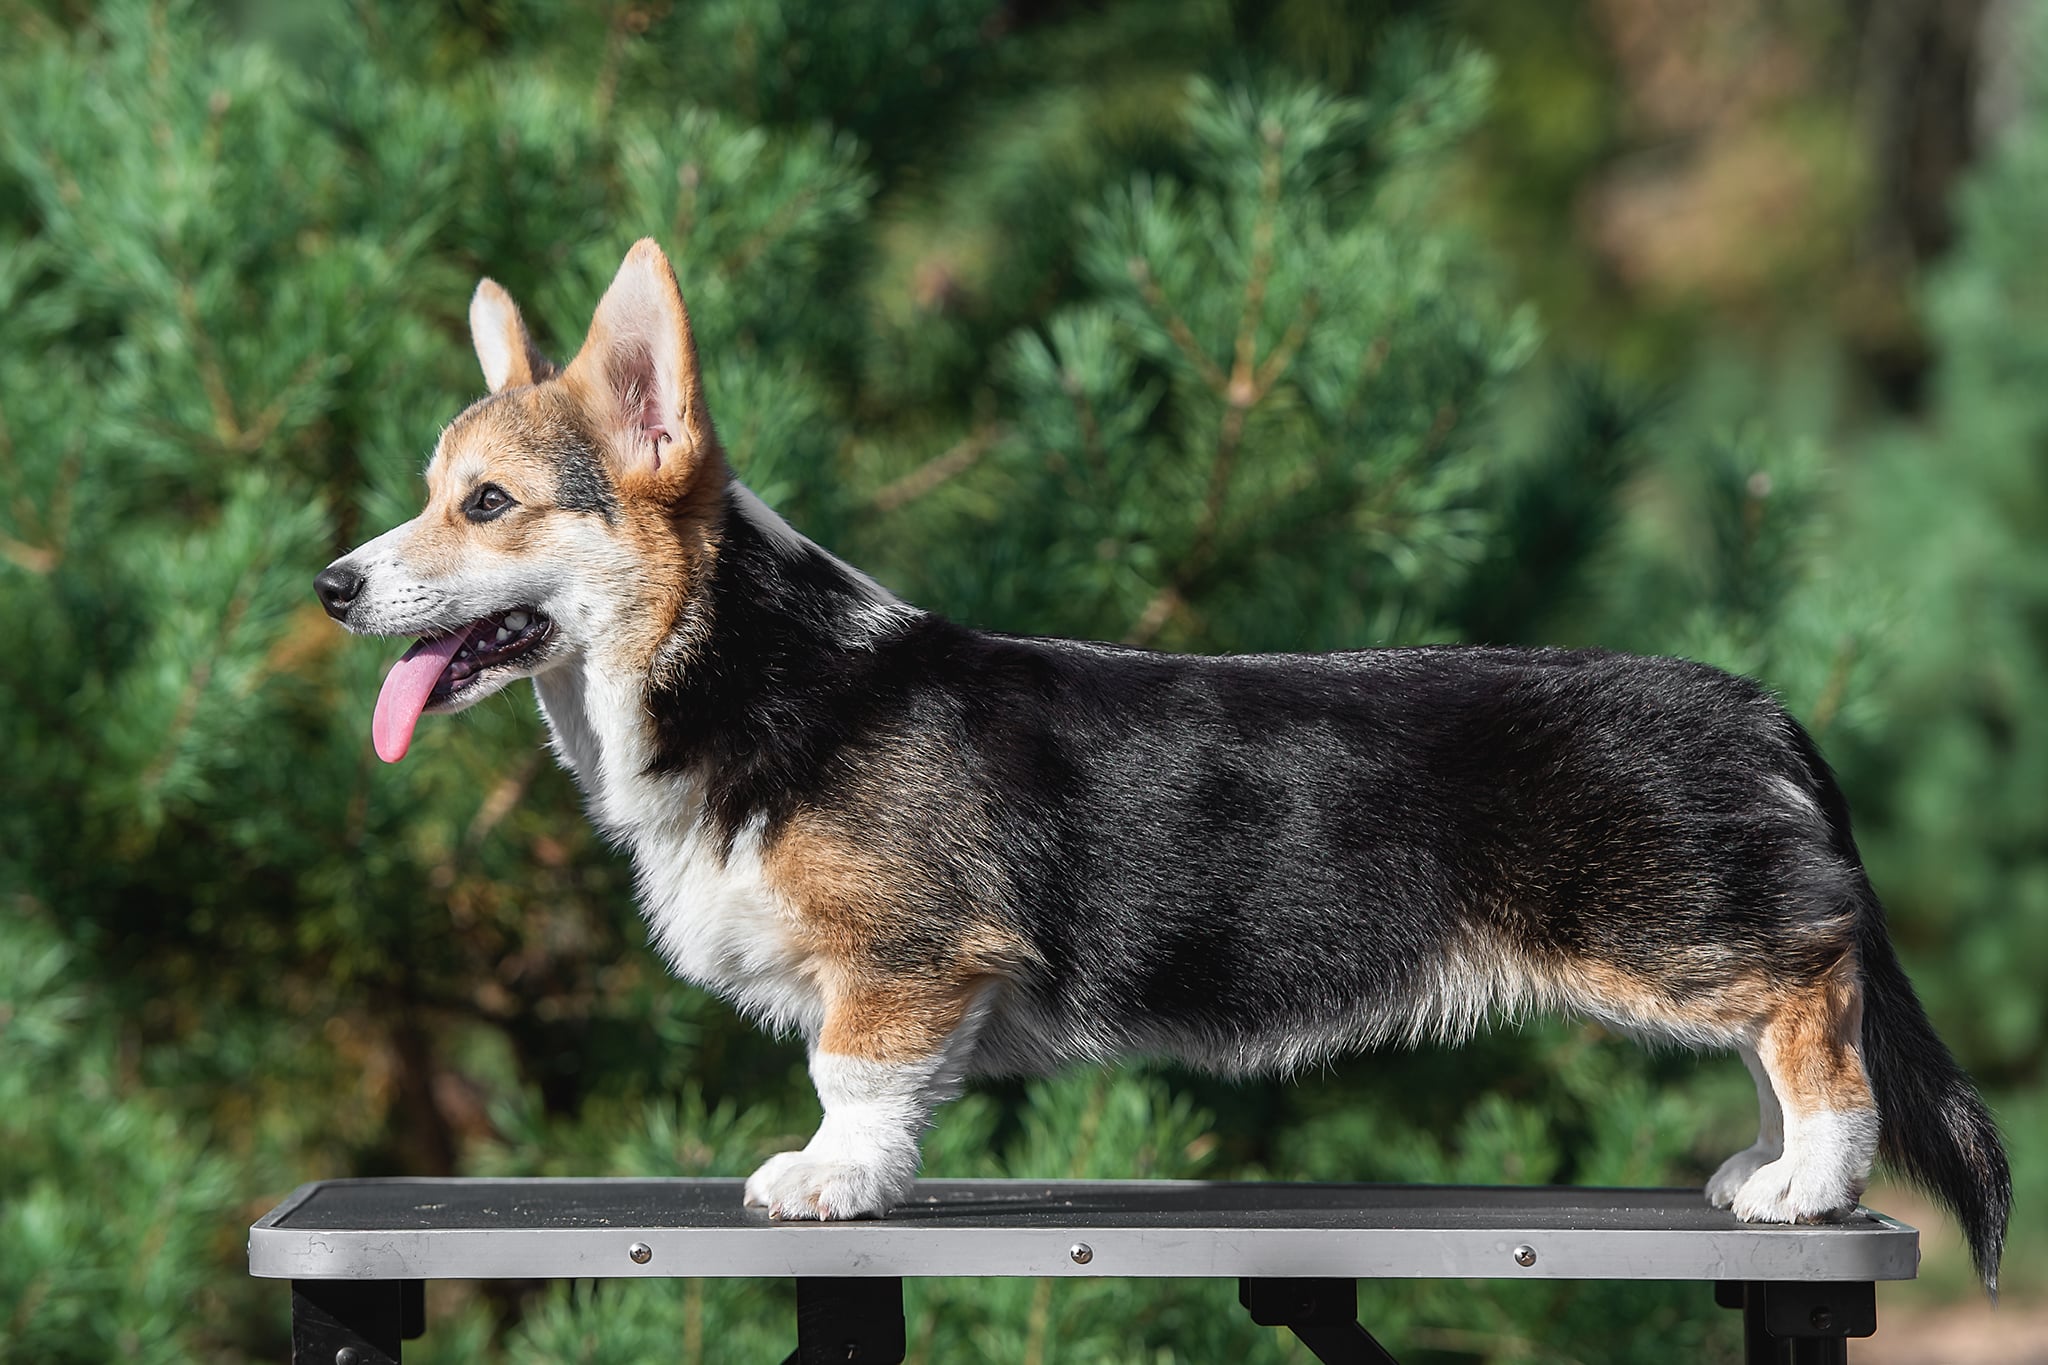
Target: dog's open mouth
column 439, row 668
column 491, row 640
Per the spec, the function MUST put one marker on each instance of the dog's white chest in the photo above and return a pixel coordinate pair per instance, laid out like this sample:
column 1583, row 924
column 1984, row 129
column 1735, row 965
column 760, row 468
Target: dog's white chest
column 714, row 917
column 710, row 910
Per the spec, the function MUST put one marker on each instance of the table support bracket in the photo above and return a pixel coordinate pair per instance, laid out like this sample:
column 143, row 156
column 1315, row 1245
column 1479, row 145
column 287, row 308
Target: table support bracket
column 1800, row 1322
column 355, row 1322
column 1323, row 1314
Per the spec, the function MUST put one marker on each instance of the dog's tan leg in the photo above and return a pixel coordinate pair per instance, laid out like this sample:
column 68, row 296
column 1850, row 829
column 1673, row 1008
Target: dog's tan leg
column 1811, row 1055
column 888, row 1053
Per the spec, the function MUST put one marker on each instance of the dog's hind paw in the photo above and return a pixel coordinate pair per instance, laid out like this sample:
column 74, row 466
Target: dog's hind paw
column 1735, row 1172
column 1779, row 1192
column 1821, row 1175
column 801, row 1186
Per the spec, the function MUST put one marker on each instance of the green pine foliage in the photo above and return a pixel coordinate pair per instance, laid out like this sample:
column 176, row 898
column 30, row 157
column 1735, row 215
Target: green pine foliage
column 118, row 1204
column 1968, row 722
column 1149, row 322
column 1271, row 352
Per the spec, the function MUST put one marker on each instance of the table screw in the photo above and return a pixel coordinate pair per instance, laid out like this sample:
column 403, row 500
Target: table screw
column 1821, row 1318
column 1525, row 1255
column 640, row 1252
column 1081, row 1252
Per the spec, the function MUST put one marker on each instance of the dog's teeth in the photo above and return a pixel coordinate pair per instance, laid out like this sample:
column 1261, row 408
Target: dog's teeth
column 503, row 635
column 514, row 620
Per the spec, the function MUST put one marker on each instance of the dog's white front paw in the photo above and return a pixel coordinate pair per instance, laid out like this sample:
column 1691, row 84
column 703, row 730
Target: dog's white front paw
column 1735, row 1172
column 1782, row 1192
column 800, row 1185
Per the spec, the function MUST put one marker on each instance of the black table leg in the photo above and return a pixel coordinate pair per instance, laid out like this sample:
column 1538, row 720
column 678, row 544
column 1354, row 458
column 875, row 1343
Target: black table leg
column 350, row 1322
column 412, row 1309
column 848, row 1319
column 1793, row 1322
column 1322, row 1313
column 1759, row 1347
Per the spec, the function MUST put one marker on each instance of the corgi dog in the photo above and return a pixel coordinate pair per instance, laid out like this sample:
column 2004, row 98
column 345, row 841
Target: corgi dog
column 936, row 852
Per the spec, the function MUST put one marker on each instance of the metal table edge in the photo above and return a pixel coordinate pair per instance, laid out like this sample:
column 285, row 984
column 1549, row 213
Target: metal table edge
column 1888, row 1253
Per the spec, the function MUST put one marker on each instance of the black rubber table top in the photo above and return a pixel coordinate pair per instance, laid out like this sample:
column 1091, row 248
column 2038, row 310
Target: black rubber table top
column 381, row 1205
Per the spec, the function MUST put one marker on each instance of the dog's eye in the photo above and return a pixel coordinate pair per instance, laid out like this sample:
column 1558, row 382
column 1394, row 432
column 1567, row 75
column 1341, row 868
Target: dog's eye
column 486, row 502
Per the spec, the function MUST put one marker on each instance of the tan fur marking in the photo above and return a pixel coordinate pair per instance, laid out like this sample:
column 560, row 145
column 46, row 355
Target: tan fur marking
column 1808, row 1035
column 1812, row 1046
column 672, row 534
column 891, row 1020
column 495, row 441
column 1607, row 991
column 856, row 902
column 899, row 956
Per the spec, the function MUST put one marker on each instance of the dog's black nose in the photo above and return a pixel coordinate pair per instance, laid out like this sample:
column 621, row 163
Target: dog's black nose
column 337, row 586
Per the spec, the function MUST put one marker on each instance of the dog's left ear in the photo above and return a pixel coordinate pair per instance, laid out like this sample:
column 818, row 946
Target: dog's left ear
column 637, row 371
column 503, row 347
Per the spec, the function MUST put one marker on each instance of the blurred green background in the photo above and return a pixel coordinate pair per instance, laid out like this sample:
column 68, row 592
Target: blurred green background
column 1718, row 330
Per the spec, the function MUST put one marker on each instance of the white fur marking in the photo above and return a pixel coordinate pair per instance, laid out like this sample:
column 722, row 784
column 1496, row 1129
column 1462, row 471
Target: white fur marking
column 864, row 1155
column 1799, row 802
column 559, row 691
column 710, row 912
column 494, row 328
column 1823, row 1172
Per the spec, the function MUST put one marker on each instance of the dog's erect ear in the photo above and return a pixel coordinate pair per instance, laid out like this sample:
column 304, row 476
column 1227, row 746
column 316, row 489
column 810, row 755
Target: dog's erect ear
column 638, row 373
column 504, row 349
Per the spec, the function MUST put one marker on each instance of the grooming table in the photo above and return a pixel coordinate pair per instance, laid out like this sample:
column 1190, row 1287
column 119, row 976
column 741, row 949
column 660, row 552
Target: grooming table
column 358, row 1252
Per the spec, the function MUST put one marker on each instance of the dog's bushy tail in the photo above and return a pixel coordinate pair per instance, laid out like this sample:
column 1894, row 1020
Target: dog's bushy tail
column 1935, row 1127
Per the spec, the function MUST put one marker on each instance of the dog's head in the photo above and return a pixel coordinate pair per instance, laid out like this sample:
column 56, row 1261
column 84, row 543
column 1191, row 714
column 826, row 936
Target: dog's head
column 569, row 511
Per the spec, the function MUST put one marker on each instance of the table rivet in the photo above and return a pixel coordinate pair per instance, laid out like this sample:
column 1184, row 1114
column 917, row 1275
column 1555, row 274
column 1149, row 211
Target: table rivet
column 1525, row 1255
column 640, row 1252
column 1081, row 1252
column 1822, row 1319
column 347, row 1355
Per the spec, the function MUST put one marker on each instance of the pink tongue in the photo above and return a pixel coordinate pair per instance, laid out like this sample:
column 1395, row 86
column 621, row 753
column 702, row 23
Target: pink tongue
column 406, row 688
